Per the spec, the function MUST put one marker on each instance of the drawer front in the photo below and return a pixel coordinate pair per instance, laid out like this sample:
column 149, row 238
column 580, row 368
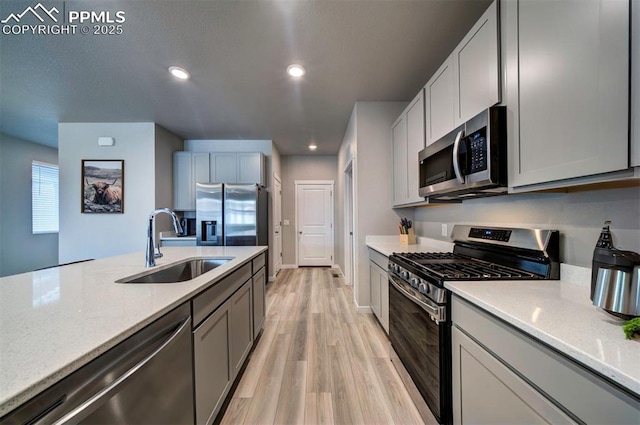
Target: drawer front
column 258, row 263
column 381, row 260
column 207, row 302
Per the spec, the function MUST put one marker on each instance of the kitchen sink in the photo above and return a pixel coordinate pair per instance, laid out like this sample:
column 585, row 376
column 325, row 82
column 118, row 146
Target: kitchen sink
column 179, row 272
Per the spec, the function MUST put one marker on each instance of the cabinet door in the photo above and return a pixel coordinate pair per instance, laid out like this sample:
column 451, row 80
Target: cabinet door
column 384, row 300
column 415, row 143
column 486, row 391
column 399, row 151
column 211, row 364
column 259, row 307
column 439, row 95
column 568, row 83
column 200, row 163
column 250, row 168
column 224, row 167
column 374, row 277
column 476, row 68
column 241, row 337
column 183, row 193
column 635, row 86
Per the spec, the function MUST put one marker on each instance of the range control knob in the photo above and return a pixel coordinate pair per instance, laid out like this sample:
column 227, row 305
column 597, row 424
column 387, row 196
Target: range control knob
column 414, row 282
column 423, row 288
column 404, row 274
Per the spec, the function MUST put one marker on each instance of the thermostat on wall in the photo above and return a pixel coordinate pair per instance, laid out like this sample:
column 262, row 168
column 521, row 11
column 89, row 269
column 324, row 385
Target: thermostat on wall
column 106, row 141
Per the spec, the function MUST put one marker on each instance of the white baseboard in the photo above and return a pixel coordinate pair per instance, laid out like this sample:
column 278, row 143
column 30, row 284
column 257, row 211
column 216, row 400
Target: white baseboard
column 363, row 309
column 289, row 266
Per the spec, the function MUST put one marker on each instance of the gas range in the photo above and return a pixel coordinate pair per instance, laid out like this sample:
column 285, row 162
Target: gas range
column 481, row 253
column 419, row 314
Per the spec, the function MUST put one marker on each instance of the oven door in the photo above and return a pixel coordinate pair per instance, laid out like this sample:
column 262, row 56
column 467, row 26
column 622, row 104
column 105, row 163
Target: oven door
column 423, row 346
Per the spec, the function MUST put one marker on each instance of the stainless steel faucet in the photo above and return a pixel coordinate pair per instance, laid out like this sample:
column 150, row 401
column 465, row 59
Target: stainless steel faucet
column 150, row 260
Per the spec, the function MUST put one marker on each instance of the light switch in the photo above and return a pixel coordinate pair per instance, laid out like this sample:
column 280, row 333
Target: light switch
column 286, row 222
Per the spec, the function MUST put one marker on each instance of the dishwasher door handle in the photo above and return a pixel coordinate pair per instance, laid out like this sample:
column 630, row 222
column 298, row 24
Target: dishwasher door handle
column 89, row 406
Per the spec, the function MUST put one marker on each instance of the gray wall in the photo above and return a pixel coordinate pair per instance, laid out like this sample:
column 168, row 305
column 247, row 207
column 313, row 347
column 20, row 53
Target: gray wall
column 20, row 250
column 301, row 167
column 166, row 143
column 100, row 235
column 368, row 139
column 578, row 215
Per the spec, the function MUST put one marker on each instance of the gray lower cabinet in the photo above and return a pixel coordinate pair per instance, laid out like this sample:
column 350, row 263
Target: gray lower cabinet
column 213, row 376
column 488, row 392
column 259, row 305
column 241, row 337
column 503, row 376
column 379, row 287
column 222, row 339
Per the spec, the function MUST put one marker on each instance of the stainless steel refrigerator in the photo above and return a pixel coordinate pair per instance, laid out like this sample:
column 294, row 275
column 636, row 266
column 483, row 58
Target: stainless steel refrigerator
column 231, row 214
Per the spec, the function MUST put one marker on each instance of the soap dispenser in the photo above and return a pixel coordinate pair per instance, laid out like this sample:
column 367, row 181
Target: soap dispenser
column 615, row 285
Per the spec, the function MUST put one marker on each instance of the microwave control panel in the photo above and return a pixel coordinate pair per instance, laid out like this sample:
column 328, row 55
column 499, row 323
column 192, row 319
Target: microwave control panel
column 478, row 151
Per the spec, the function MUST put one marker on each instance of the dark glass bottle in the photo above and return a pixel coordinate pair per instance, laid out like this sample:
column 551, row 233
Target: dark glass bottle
column 602, row 254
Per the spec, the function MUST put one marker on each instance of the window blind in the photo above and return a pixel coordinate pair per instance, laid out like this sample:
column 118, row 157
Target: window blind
column 44, row 197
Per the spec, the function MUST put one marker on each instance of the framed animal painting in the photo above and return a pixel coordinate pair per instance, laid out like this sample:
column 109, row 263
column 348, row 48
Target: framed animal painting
column 102, row 186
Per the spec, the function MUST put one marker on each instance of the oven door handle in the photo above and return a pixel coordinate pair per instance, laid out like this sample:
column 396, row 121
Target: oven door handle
column 435, row 312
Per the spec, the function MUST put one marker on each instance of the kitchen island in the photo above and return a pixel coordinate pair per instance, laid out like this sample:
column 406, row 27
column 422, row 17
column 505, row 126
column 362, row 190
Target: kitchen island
column 54, row 321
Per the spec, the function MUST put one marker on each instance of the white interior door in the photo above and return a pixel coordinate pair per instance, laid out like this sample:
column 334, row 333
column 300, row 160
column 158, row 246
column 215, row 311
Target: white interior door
column 314, row 202
column 277, row 223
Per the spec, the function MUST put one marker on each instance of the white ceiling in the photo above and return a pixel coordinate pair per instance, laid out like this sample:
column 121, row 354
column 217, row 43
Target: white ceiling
column 237, row 53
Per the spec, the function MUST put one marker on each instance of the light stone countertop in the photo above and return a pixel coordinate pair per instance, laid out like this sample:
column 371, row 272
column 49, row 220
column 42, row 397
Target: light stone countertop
column 557, row 313
column 54, row 321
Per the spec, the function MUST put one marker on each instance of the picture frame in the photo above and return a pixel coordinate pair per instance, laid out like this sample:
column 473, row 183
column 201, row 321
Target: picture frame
column 102, row 186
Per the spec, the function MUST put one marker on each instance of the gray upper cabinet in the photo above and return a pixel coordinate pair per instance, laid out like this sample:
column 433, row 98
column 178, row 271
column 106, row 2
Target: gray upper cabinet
column 224, row 167
column 440, row 97
column 476, row 68
column 635, row 86
column 567, row 89
column 188, row 169
column 468, row 81
column 237, row 167
column 407, row 140
column 399, row 151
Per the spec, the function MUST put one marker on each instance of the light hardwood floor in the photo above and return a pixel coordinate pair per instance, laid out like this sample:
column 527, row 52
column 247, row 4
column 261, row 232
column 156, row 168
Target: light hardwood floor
column 318, row 361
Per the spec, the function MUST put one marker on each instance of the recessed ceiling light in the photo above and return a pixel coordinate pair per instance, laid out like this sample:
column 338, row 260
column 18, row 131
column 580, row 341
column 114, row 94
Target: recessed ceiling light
column 296, row 71
column 313, row 146
column 179, row 73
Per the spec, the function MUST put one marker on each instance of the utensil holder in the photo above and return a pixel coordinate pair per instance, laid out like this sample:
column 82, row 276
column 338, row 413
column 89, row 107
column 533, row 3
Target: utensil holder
column 408, row 239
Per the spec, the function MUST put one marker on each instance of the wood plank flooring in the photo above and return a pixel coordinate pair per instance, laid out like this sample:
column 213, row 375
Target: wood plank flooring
column 318, row 361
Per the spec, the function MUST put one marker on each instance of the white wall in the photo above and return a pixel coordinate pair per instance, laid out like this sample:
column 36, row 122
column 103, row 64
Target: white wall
column 301, row 167
column 100, row 235
column 20, row 250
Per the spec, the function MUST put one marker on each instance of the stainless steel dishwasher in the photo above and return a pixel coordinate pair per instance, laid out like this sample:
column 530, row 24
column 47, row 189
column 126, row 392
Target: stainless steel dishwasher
column 146, row 379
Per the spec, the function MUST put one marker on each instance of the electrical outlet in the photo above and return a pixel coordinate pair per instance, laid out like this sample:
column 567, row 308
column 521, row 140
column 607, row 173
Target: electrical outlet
column 286, row 222
column 444, row 230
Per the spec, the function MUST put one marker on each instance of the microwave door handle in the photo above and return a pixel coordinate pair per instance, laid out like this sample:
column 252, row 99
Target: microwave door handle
column 456, row 163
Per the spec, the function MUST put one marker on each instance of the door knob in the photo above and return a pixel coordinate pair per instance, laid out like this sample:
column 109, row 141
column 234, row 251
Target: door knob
column 300, row 232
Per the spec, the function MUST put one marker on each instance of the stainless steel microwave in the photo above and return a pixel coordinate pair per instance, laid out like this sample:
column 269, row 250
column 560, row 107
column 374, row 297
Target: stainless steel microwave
column 469, row 162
